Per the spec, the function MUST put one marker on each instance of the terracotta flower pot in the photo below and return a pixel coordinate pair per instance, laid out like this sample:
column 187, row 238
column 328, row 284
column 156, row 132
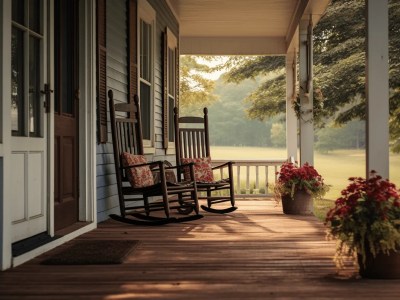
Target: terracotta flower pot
column 301, row 204
column 381, row 266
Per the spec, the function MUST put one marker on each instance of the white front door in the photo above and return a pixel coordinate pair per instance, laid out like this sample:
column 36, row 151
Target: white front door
column 29, row 123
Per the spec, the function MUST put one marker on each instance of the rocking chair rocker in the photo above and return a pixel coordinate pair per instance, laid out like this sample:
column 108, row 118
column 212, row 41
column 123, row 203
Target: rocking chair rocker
column 192, row 145
column 135, row 179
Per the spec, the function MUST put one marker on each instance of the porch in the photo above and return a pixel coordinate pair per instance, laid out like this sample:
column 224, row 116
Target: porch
column 255, row 253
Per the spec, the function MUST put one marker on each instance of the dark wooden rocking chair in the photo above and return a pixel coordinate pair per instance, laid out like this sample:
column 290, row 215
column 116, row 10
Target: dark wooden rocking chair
column 192, row 144
column 134, row 200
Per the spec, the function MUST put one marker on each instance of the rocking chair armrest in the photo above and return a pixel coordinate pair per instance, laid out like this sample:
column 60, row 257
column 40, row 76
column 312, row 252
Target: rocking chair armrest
column 227, row 164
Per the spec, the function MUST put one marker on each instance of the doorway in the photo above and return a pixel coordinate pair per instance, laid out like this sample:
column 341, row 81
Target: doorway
column 66, row 93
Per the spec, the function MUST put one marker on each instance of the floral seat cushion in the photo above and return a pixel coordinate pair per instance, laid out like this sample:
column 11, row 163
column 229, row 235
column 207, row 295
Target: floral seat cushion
column 202, row 169
column 138, row 177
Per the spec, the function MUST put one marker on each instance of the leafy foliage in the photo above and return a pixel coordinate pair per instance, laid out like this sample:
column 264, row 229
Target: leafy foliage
column 339, row 70
column 268, row 99
column 227, row 120
column 195, row 89
column 367, row 215
column 278, row 135
column 306, row 178
column 244, row 67
column 350, row 135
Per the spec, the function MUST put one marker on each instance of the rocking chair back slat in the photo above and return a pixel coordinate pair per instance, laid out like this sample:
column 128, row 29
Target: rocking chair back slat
column 125, row 131
column 193, row 142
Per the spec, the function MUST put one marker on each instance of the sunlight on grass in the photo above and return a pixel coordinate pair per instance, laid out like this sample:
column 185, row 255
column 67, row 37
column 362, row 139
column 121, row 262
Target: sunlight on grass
column 336, row 167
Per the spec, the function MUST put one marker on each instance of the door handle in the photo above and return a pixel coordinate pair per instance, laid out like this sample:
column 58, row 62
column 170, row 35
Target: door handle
column 46, row 92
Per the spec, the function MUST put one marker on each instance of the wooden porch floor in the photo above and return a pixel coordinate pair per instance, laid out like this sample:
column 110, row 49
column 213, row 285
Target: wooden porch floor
column 253, row 253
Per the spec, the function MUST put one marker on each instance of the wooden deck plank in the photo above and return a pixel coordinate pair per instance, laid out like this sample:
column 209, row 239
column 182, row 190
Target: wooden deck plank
column 253, row 253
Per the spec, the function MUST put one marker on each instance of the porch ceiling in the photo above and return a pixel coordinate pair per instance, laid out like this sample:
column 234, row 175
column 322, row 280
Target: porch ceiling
column 228, row 27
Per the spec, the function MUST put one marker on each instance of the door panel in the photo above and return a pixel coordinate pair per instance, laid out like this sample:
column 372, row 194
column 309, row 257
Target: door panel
column 66, row 178
column 29, row 121
column 18, row 179
column 65, row 114
column 28, row 176
column 68, row 158
column 35, row 184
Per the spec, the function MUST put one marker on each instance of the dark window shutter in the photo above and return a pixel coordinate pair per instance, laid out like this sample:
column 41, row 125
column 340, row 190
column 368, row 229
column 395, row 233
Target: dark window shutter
column 101, row 72
column 133, row 71
column 165, row 81
column 177, row 76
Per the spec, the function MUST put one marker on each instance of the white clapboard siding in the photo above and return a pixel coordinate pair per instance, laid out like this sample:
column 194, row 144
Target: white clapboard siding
column 117, row 80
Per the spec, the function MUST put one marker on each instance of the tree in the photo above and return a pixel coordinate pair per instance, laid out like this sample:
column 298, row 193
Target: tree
column 339, row 69
column 268, row 99
column 278, row 135
column 196, row 90
column 227, row 120
column 348, row 136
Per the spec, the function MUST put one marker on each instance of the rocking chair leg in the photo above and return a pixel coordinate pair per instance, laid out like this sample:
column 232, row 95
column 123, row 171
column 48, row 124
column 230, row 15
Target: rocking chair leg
column 196, row 203
column 208, row 197
column 232, row 193
column 232, row 197
column 231, row 186
column 165, row 200
column 184, row 209
column 146, row 205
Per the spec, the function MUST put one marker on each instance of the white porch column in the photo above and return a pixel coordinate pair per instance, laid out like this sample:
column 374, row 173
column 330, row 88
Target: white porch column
column 291, row 120
column 377, row 87
column 87, row 111
column 306, row 93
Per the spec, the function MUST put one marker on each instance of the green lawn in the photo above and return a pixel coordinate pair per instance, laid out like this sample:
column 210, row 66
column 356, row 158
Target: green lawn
column 336, row 167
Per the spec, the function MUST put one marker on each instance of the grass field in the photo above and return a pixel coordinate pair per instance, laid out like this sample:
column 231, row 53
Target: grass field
column 336, row 167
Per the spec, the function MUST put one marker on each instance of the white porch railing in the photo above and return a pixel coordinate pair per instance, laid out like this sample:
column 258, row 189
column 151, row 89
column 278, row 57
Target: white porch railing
column 252, row 178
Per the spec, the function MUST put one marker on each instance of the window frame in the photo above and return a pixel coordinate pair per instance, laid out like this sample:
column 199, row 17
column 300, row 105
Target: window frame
column 172, row 44
column 29, row 35
column 147, row 14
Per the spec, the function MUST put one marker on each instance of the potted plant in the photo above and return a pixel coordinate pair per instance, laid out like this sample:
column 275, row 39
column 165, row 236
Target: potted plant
column 297, row 187
column 366, row 223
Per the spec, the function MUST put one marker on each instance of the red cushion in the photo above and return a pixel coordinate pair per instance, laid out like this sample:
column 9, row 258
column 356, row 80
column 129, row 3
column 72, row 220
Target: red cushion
column 202, row 169
column 138, row 177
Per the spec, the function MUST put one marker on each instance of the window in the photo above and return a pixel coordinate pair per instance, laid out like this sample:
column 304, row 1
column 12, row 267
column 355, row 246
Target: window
column 146, row 34
column 26, row 46
column 171, row 91
column 170, row 81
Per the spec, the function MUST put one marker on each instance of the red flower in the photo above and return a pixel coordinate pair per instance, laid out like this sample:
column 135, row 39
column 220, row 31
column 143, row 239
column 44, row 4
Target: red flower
column 367, row 200
column 291, row 177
